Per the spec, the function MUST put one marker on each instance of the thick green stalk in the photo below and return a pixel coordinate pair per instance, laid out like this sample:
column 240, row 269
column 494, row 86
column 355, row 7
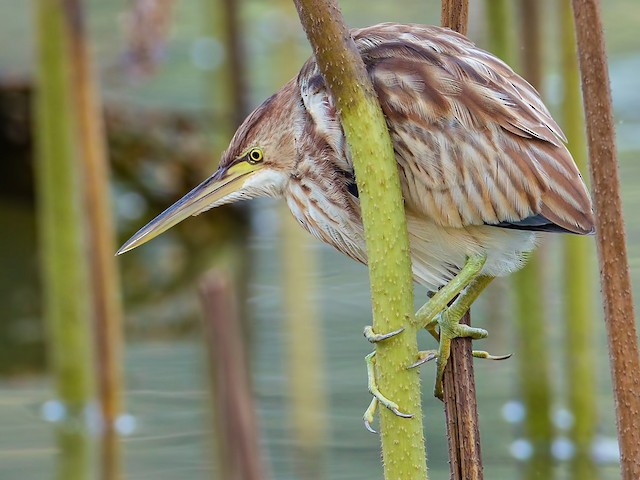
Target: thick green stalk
column 64, row 265
column 403, row 449
column 578, row 285
column 107, row 306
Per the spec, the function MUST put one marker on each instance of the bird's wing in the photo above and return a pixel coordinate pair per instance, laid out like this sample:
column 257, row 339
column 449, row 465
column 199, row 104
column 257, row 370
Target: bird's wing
column 474, row 142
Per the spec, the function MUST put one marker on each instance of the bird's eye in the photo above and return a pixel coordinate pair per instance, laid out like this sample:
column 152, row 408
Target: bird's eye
column 254, row 155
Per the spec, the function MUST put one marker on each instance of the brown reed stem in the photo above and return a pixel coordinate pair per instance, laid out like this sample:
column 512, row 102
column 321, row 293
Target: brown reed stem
column 237, row 424
column 107, row 307
column 610, row 239
column 455, row 15
column 460, row 405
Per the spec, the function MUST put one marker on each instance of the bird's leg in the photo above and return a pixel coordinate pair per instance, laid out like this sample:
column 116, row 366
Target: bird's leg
column 441, row 299
column 377, row 396
column 449, row 328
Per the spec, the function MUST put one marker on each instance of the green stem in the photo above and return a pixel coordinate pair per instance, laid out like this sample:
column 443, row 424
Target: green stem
column 498, row 26
column 64, row 266
column 403, row 450
column 533, row 357
column 578, row 286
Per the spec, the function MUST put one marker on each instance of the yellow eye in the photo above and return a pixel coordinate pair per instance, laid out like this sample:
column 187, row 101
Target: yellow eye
column 254, row 155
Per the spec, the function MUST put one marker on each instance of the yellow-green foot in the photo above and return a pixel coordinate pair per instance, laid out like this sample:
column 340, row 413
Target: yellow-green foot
column 441, row 317
column 377, row 396
column 425, row 356
column 450, row 328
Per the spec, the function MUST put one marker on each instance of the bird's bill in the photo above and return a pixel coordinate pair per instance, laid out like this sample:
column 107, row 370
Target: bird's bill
column 221, row 184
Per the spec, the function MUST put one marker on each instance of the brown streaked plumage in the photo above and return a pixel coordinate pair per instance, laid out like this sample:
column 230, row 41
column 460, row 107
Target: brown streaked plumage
column 482, row 164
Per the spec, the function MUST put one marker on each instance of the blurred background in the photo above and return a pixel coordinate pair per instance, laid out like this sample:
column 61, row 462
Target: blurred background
column 261, row 374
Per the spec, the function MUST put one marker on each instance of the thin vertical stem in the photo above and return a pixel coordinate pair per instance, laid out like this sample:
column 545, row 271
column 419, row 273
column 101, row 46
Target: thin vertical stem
column 455, row 15
column 534, row 376
column 498, row 22
column 239, row 433
column 579, row 316
column 460, row 404
column 64, row 266
column 107, row 307
column 612, row 251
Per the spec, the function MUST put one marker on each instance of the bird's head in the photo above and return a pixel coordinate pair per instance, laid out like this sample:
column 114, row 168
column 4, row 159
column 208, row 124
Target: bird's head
column 258, row 163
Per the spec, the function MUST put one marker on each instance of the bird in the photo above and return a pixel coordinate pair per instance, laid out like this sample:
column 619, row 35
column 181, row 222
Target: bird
column 483, row 169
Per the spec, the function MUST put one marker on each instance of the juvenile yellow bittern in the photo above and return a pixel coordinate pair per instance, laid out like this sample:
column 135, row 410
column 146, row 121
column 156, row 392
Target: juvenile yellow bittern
column 482, row 165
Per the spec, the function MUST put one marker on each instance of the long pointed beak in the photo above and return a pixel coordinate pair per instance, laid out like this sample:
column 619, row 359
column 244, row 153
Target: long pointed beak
column 221, row 184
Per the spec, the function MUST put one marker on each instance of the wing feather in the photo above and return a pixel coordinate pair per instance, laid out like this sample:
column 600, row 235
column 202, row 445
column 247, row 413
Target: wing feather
column 474, row 142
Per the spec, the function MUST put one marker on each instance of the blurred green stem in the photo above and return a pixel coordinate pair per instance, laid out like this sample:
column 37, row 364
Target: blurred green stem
column 64, row 265
column 302, row 321
column 498, row 22
column 578, row 287
column 533, row 355
column 305, row 360
column 533, row 369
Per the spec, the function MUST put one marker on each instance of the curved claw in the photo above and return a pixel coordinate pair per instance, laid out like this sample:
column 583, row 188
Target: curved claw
column 373, row 337
column 488, row 356
column 424, row 357
column 399, row 413
column 368, row 415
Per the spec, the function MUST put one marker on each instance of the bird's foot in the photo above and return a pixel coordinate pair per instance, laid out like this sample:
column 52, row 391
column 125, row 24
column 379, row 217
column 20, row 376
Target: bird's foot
column 373, row 337
column 425, row 356
column 378, row 398
column 450, row 328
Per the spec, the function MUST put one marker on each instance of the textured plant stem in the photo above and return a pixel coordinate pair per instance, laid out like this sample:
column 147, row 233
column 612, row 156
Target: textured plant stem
column 455, row 15
column 533, row 353
column 107, row 307
column 64, row 265
column 578, row 286
column 461, row 412
column 612, row 251
column 403, row 450
column 460, row 405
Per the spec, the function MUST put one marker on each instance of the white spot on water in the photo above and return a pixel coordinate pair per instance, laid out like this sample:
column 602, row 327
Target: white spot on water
column 513, row 411
column 521, row 449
